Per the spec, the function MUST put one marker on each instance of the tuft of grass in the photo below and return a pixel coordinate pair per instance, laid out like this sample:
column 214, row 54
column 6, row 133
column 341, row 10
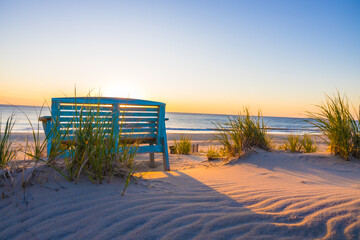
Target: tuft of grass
column 340, row 127
column 7, row 152
column 37, row 149
column 183, row 146
column 292, row 143
column 91, row 145
column 230, row 135
column 308, row 145
column 296, row 143
column 212, row 153
column 355, row 136
column 59, row 143
column 95, row 150
column 128, row 159
column 87, row 145
column 242, row 133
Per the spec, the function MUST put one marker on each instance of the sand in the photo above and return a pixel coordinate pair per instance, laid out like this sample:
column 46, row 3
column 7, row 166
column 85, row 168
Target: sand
column 264, row 195
column 200, row 138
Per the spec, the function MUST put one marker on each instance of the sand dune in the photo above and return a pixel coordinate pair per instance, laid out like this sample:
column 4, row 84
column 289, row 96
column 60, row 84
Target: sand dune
column 263, row 196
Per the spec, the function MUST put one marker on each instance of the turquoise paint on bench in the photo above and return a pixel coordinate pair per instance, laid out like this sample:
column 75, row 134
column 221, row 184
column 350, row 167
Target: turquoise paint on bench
column 143, row 116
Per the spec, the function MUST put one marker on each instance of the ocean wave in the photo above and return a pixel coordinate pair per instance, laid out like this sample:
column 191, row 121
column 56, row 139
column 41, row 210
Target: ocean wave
column 271, row 129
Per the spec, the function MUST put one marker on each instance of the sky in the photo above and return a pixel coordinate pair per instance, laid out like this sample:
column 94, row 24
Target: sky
column 281, row 57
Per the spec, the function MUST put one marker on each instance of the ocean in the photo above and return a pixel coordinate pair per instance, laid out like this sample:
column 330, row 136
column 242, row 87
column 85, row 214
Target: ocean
column 177, row 123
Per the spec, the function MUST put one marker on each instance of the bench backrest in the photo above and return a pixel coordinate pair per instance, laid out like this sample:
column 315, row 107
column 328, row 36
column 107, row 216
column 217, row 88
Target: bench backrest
column 131, row 118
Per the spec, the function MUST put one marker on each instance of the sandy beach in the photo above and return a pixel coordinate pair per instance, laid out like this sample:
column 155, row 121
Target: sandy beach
column 263, row 195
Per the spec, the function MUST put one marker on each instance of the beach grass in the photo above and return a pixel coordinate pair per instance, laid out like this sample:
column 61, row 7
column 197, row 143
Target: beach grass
column 95, row 149
column 308, row 145
column 7, row 151
column 183, row 146
column 37, row 149
column 88, row 152
column 292, row 143
column 87, row 145
column 242, row 133
column 59, row 143
column 212, row 153
column 298, row 143
column 339, row 125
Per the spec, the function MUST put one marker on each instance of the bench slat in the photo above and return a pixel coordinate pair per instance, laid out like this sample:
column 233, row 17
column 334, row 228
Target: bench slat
column 123, row 126
column 77, row 125
column 139, row 114
column 72, row 131
column 139, row 109
column 130, row 130
column 124, row 132
column 149, row 149
column 137, row 136
column 137, row 125
column 85, row 114
column 77, row 119
column 82, row 107
column 124, row 120
column 108, row 113
column 138, row 120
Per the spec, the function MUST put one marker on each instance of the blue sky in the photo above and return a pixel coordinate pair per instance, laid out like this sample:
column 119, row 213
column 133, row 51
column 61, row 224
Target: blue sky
column 197, row 56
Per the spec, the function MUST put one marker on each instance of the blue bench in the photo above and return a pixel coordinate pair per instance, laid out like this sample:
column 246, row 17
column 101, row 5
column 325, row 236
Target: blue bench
column 138, row 120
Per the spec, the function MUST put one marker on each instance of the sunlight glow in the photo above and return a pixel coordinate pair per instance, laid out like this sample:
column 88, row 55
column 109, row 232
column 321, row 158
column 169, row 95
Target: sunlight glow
column 122, row 91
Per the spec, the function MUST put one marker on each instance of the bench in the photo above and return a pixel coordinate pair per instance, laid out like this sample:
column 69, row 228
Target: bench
column 133, row 119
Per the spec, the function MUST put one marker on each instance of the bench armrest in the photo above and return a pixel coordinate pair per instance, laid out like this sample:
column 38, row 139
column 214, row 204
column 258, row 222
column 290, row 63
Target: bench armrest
column 45, row 118
column 46, row 122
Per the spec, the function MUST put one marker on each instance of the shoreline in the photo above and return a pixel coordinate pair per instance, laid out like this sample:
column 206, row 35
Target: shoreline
column 203, row 139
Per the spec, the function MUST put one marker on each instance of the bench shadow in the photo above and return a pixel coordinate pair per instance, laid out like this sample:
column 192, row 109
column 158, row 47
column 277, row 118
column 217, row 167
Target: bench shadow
column 182, row 207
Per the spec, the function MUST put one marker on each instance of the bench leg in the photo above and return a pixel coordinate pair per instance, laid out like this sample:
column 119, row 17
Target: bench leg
column 48, row 148
column 152, row 160
column 165, row 155
column 47, row 130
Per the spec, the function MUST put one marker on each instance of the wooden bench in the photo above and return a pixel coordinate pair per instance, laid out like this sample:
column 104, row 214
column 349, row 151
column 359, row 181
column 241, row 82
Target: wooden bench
column 139, row 120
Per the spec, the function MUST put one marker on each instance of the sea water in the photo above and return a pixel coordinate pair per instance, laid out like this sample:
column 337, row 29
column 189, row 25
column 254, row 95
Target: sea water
column 27, row 119
column 194, row 122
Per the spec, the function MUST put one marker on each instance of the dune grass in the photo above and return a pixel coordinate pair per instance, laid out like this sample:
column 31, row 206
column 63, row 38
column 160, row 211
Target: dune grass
column 338, row 124
column 292, row 143
column 38, row 148
column 297, row 143
column 242, row 133
column 91, row 149
column 87, row 145
column 212, row 153
column 95, row 150
column 7, row 151
column 183, row 146
column 308, row 145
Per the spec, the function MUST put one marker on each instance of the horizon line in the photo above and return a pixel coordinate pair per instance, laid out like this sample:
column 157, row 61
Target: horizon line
column 22, row 105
